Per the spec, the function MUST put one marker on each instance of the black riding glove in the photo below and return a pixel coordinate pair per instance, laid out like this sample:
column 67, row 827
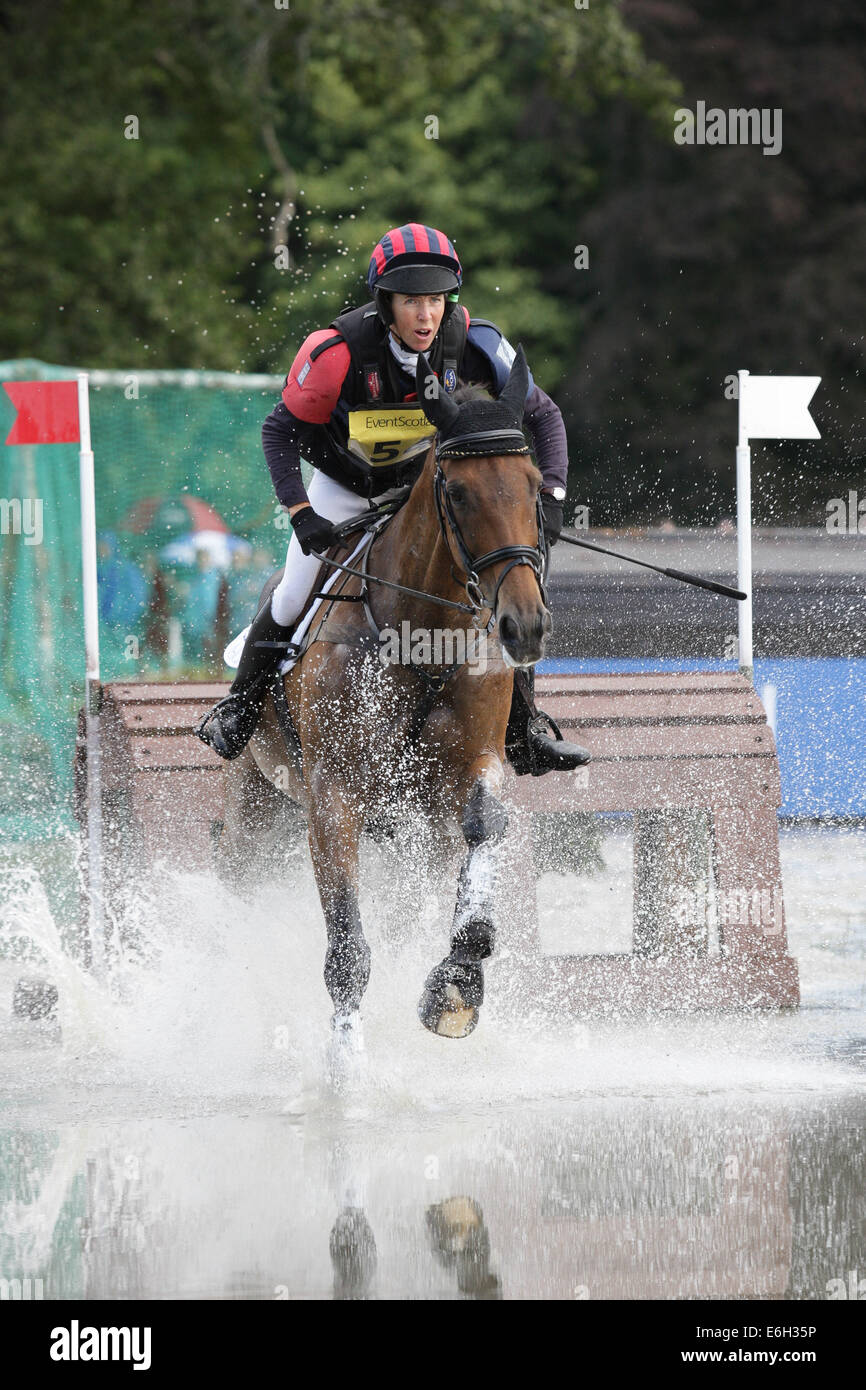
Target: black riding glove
column 551, row 510
column 314, row 532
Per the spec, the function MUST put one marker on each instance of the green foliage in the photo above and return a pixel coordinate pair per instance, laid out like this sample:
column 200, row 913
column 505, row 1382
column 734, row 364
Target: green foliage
column 312, row 123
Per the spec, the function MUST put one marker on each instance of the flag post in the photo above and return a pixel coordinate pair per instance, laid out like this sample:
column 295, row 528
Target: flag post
column 744, row 533
column 769, row 407
column 92, row 688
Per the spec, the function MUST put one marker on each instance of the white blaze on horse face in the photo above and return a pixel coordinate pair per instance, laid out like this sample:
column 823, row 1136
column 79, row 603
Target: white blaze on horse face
column 515, row 665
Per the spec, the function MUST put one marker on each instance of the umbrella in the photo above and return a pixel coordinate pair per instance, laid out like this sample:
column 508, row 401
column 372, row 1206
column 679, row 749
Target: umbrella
column 173, row 514
column 219, row 546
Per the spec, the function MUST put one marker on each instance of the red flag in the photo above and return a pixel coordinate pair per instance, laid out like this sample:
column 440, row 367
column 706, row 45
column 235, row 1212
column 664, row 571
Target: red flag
column 47, row 412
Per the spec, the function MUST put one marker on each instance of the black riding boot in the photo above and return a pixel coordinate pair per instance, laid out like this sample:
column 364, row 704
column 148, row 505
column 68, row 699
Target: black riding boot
column 529, row 746
column 229, row 726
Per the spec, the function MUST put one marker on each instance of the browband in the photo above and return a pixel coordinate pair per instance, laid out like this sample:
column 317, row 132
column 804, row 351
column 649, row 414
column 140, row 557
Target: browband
column 504, row 441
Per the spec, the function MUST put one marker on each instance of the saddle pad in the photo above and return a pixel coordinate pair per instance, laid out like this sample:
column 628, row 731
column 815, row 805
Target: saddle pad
column 232, row 653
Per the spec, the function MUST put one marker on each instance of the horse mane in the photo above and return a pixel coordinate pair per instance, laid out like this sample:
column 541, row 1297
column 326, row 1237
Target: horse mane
column 471, row 391
column 467, row 391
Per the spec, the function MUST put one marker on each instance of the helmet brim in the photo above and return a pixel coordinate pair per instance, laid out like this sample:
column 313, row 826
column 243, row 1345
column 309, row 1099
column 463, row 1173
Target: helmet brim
column 418, row 279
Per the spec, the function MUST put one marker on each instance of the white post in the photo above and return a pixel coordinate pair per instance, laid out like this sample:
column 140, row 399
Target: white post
column 92, row 690
column 744, row 534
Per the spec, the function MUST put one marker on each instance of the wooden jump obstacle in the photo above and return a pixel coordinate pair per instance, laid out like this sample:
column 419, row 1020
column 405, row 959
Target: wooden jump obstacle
column 689, row 755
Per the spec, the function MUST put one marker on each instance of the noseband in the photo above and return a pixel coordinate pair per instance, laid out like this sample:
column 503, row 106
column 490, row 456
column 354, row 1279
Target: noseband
column 534, row 556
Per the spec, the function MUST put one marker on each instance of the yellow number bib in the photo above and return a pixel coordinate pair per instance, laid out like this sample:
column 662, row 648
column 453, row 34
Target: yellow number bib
column 389, row 434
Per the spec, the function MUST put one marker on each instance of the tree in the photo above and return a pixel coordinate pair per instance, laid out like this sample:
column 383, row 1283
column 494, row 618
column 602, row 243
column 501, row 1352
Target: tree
column 273, row 148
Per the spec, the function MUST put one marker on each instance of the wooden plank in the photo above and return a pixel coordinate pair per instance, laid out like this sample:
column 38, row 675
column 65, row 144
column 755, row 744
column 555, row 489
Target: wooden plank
column 619, row 683
column 629, row 682
column 749, row 877
column 156, row 752
column 671, row 857
column 645, row 785
column 660, row 744
column 670, row 742
column 150, row 692
column 692, row 707
column 597, row 985
column 170, row 717
column 587, row 706
column 176, row 815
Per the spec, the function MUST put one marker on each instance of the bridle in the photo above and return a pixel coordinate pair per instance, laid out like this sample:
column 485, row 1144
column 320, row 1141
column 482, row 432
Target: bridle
column 535, row 556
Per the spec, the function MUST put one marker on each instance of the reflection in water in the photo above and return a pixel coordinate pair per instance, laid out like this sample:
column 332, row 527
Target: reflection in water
column 353, row 1254
column 459, row 1240
column 633, row 1199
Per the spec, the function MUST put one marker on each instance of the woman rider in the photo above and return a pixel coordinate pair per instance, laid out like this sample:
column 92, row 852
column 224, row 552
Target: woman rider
column 343, row 410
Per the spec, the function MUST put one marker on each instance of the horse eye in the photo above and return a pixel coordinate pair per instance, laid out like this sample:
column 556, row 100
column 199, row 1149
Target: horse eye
column 456, row 494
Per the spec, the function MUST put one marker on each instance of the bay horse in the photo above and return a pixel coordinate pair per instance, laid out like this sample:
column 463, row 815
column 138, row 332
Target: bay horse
column 375, row 734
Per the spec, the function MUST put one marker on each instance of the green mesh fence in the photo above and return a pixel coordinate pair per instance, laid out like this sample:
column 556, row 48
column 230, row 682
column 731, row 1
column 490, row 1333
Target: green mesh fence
column 189, row 530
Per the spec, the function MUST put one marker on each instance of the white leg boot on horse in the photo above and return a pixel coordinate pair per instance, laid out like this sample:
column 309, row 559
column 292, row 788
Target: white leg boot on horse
column 334, row 832
column 454, row 990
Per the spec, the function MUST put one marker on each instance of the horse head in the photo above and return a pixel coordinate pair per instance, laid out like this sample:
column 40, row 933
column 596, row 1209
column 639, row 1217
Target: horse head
column 487, row 489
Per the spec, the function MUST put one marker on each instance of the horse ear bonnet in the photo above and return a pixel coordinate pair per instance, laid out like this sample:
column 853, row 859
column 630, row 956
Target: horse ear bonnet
column 480, row 427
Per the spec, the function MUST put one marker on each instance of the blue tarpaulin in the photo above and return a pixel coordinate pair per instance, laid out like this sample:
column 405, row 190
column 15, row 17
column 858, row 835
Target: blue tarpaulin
column 820, row 724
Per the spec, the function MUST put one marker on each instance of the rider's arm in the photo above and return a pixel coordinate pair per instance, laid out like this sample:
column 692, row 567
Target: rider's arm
column 283, row 455
column 309, row 398
column 543, row 422
column 488, row 358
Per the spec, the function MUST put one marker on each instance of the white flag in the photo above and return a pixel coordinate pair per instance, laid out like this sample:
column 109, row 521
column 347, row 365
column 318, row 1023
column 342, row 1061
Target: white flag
column 777, row 407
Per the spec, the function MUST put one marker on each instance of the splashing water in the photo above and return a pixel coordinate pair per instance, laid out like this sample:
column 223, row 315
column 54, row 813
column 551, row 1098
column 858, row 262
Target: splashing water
column 173, row 1135
column 220, row 1000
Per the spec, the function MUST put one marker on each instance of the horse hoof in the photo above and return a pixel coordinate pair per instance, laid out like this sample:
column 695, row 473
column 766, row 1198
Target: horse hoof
column 451, row 998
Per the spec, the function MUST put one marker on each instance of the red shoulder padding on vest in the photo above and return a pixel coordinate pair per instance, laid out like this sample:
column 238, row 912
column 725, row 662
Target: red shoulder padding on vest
column 316, row 378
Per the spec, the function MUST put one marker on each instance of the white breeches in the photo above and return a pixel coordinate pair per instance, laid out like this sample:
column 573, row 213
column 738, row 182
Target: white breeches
column 337, row 503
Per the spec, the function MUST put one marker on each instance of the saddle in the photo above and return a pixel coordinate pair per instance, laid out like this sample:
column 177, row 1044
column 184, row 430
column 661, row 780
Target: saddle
column 326, row 593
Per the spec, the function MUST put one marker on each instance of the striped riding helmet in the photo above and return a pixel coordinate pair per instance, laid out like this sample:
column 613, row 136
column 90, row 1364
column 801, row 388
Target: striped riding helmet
column 414, row 260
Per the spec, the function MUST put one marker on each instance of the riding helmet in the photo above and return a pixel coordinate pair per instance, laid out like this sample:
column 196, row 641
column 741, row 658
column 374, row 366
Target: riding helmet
column 414, row 259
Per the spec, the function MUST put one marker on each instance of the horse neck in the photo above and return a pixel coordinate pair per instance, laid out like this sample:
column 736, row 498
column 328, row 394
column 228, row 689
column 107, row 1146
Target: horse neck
column 413, row 552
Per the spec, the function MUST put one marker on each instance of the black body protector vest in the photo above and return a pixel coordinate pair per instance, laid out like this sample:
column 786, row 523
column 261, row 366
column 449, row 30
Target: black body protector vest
column 377, row 440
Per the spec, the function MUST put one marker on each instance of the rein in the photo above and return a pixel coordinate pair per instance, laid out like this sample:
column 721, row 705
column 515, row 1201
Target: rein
column 537, row 557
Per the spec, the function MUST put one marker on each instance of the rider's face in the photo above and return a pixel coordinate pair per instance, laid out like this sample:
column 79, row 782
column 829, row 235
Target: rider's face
column 417, row 318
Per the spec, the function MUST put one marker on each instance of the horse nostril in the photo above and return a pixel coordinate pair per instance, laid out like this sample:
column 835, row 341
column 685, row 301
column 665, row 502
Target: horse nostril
column 508, row 629
column 543, row 623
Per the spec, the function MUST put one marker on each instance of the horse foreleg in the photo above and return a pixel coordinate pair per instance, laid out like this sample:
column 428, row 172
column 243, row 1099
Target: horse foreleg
column 334, row 832
column 454, row 990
